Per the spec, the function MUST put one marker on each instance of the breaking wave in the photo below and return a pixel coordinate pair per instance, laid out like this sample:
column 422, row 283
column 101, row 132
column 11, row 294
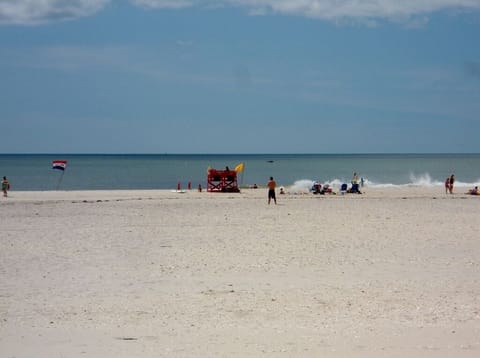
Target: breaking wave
column 423, row 180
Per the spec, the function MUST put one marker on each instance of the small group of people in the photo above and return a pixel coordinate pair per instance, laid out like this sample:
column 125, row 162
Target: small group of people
column 449, row 184
column 318, row 188
column 5, row 186
column 355, row 188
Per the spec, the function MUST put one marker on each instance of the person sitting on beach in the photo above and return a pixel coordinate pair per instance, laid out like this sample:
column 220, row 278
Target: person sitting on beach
column 354, row 189
column 316, row 188
column 473, row 191
column 326, row 189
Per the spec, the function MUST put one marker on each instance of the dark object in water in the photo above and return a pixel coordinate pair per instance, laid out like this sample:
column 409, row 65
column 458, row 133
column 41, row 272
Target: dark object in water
column 269, row 161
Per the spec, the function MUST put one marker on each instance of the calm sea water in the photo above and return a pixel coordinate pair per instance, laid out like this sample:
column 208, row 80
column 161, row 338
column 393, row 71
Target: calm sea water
column 91, row 172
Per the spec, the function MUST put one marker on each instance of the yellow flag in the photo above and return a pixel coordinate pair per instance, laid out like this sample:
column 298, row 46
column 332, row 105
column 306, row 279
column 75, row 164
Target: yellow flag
column 239, row 167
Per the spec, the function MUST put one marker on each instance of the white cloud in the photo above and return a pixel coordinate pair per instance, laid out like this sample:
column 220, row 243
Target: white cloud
column 331, row 9
column 414, row 12
column 328, row 9
column 165, row 4
column 31, row 12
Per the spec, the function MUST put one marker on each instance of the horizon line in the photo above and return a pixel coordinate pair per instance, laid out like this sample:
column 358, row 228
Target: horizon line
column 250, row 154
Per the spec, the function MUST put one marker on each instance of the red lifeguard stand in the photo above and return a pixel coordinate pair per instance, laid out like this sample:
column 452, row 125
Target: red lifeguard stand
column 222, row 181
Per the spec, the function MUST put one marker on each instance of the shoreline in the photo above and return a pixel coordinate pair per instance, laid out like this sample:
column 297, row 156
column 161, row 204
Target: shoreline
column 367, row 192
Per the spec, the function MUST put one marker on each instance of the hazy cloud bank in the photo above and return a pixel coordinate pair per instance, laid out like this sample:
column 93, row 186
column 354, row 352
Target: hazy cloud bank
column 31, row 12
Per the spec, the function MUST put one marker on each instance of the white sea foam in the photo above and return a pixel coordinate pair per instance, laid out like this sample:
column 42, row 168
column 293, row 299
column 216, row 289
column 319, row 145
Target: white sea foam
column 468, row 185
column 423, row 180
column 426, row 180
column 335, row 182
column 302, row 186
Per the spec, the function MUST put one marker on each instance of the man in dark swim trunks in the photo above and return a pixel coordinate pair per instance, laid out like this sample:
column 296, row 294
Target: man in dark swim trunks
column 271, row 190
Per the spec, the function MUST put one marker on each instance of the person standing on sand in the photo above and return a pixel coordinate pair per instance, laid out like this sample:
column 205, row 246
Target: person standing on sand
column 271, row 191
column 5, row 186
column 355, row 184
column 450, row 186
column 355, row 179
column 447, row 185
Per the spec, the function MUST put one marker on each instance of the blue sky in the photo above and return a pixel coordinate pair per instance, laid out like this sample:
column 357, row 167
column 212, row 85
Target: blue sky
column 239, row 76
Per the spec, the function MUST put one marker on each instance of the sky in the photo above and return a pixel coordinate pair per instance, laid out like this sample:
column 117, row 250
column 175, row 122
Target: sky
column 239, row 76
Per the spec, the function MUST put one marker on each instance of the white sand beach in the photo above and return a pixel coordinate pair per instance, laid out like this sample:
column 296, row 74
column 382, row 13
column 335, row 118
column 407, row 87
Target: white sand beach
column 390, row 273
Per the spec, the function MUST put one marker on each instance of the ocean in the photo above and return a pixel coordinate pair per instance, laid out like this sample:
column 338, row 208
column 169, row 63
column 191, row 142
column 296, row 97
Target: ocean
column 28, row 172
